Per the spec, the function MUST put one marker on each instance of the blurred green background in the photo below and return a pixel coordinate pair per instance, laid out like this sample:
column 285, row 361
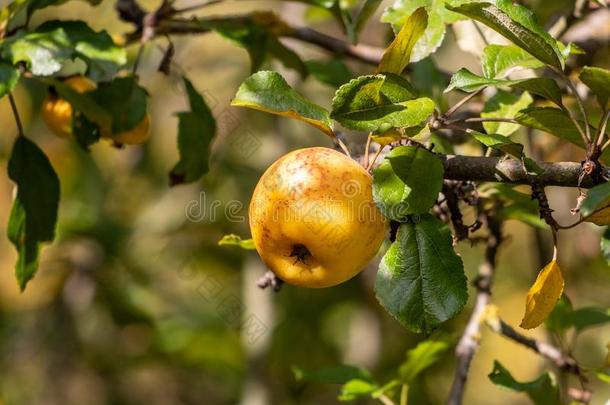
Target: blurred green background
column 135, row 303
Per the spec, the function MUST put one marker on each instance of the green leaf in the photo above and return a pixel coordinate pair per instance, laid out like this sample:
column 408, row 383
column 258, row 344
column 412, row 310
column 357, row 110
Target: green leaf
column 334, row 375
column 556, row 122
column 45, row 49
column 499, row 142
column 421, row 280
column 333, row 72
column 235, row 240
column 516, row 23
column 497, row 59
column 256, row 33
column 504, row 105
column 515, row 204
column 564, row 317
column 424, row 355
column 378, row 103
column 589, row 317
column 97, row 49
column 605, row 245
column 34, row 213
column 597, row 198
column 356, row 389
column 268, row 91
column 542, row 391
column 9, row 76
column 541, row 86
column 598, row 80
column 561, row 318
column 366, row 12
column 438, row 18
column 407, row 182
column 196, row 129
column 429, row 81
column 82, row 102
column 85, row 131
column 603, row 376
column 124, row 99
column 42, row 52
column 398, row 54
column 467, row 81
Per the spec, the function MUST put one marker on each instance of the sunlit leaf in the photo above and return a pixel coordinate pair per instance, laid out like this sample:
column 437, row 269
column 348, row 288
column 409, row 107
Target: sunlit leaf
column 235, row 240
column 598, row 80
column 497, row 59
column 499, row 142
column 438, row 18
column 398, row 54
column 516, row 23
column 9, row 76
column 543, row 295
column 504, row 105
column 407, row 182
column 467, row 81
column 356, row 389
column 423, row 356
column 268, row 91
column 378, row 103
column 596, row 206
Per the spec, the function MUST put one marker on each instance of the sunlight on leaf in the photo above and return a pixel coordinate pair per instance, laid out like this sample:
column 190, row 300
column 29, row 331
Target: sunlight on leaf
column 235, row 240
column 398, row 54
column 543, row 296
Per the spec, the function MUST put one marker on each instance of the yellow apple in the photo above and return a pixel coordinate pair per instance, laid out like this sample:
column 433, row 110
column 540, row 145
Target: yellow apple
column 57, row 112
column 313, row 219
column 137, row 135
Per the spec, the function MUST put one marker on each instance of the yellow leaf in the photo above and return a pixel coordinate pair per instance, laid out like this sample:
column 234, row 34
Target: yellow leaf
column 543, row 296
column 600, row 217
column 398, row 53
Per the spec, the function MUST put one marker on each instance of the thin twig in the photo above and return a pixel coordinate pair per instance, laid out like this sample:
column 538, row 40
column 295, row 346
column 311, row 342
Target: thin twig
column 460, row 103
column 16, row 114
column 480, row 119
column 367, row 148
column 386, row 400
column 562, row 360
column 587, row 132
column 195, row 7
column 370, row 166
column 469, row 342
column 602, row 129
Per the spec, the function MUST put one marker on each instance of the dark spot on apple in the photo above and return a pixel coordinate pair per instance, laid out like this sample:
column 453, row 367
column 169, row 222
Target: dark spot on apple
column 300, row 252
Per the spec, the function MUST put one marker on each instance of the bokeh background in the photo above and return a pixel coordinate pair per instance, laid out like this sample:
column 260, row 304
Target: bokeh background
column 135, row 303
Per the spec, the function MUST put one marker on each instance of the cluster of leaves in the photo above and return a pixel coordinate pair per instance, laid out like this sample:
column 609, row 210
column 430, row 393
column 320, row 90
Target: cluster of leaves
column 421, row 280
column 425, row 292
column 358, row 383
column 42, row 54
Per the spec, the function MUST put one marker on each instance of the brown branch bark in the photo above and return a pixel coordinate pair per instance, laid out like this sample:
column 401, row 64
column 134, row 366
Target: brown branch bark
column 364, row 53
column 497, row 169
column 469, row 342
column 563, row 361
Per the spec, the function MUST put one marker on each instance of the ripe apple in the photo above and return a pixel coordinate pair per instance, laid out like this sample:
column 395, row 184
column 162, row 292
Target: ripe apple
column 313, row 219
column 57, row 112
